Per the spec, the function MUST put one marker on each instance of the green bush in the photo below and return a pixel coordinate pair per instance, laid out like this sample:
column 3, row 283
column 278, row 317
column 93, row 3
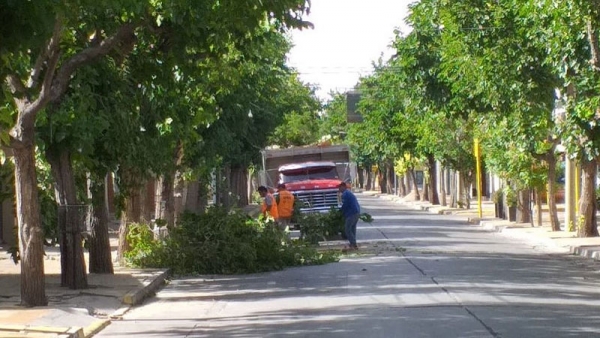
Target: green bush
column 316, row 227
column 219, row 242
column 297, row 214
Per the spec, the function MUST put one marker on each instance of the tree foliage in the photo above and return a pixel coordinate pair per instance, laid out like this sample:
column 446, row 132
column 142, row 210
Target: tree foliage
column 57, row 39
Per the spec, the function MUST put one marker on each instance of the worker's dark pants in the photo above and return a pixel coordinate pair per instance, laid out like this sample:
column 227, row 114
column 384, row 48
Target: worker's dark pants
column 350, row 227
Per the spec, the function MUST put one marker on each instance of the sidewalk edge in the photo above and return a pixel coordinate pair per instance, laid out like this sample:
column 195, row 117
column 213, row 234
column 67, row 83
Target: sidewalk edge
column 499, row 225
column 135, row 297
column 130, row 299
column 585, row 252
column 95, row 327
column 66, row 332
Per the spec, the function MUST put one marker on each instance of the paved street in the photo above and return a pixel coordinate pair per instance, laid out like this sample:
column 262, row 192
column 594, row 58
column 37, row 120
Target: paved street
column 453, row 280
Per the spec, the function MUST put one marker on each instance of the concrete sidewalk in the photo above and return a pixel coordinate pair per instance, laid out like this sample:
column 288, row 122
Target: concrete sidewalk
column 538, row 236
column 71, row 313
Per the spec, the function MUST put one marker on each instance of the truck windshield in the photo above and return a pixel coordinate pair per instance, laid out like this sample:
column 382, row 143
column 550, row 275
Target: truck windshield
column 322, row 173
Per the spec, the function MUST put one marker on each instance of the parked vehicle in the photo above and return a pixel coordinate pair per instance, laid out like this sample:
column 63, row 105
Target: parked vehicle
column 312, row 174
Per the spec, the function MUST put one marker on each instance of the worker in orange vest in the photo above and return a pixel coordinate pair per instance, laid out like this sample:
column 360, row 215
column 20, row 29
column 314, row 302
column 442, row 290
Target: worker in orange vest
column 285, row 206
column 269, row 205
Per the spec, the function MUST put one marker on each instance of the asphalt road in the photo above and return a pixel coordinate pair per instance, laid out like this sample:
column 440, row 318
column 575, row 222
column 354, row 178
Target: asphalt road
column 453, row 280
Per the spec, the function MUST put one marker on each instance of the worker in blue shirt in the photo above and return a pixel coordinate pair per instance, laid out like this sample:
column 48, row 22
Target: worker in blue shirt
column 351, row 211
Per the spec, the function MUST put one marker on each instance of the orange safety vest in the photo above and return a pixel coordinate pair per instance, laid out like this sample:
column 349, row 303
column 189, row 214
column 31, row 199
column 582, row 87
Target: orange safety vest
column 286, row 204
column 273, row 212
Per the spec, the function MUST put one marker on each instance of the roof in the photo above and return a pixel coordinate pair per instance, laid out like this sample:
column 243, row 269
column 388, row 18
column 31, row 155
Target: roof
column 314, row 164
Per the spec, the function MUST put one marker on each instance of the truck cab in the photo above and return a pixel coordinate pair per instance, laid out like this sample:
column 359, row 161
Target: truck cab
column 311, row 173
column 315, row 184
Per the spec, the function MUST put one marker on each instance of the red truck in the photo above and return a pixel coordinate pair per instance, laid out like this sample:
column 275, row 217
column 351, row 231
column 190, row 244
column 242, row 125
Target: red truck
column 312, row 173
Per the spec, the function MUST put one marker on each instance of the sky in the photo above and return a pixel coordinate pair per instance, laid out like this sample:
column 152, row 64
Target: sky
column 348, row 36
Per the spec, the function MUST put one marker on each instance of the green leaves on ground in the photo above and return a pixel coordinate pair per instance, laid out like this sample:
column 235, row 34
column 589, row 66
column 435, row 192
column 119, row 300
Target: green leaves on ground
column 317, row 227
column 219, row 242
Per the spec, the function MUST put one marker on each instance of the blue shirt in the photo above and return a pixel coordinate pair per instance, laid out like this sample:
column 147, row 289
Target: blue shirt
column 350, row 206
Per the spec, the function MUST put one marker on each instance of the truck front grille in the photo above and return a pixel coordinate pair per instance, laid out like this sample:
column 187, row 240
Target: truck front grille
column 317, row 200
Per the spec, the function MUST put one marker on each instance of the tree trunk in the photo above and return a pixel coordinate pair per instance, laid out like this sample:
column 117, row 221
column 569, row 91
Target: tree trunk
column 159, row 210
column 414, row 179
column 402, row 186
column 369, row 185
column 147, row 202
column 71, row 218
column 361, row 177
column 443, row 186
column 100, row 253
column 382, row 178
column 466, row 196
column 453, row 189
column 238, row 186
column 168, row 198
column 218, row 187
column 390, row 177
column 31, row 241
column 552, row 209
column 178, row 184
column 223, row 197
column 203, row 191
column 538, row 203
column 587, row 203
column 192, row 201
column 425, row 194
column 524, row 206
column 110, row 195
column 178, row 194
column 433, row 180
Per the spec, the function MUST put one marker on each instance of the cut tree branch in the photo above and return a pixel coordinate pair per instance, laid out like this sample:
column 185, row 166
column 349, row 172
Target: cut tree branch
column 123, row 37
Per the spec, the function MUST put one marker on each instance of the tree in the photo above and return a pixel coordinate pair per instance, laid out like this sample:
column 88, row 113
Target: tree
column 571, row 32
column 495, row 71
column 334, row 125
column 300, row 126
column 267, row 94
column 43, row 63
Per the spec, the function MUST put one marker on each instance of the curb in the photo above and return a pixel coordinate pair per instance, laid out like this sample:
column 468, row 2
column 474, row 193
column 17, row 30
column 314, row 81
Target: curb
column 95, row 327
column 135, row 297
column 120, row 312
column 499, row 225
column 590, row 252
column 61, row 332
column 492, row 225
column 586, row 252
column 502, row 226
column 130, row 299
